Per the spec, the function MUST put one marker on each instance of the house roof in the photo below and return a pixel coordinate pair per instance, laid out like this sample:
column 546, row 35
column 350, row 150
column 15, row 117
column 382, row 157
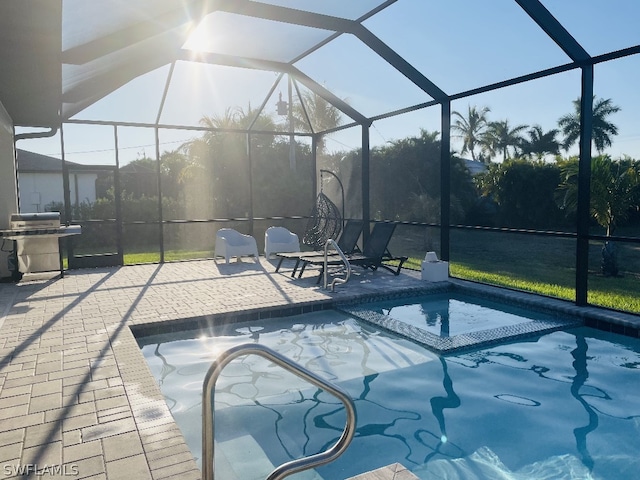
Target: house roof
column 36, row 163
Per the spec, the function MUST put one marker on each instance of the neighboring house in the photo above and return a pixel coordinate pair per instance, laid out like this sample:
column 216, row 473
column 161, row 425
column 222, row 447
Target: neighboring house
column 475, row 167
column 40, row 182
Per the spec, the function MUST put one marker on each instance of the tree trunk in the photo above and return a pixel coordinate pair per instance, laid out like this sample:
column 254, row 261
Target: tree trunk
column 609, row 265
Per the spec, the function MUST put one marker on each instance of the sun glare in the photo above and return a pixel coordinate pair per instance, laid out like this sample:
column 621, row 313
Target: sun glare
column 199, row 40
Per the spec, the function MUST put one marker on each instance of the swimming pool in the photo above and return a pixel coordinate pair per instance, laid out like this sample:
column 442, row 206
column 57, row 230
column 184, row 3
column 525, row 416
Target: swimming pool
column 562, row 404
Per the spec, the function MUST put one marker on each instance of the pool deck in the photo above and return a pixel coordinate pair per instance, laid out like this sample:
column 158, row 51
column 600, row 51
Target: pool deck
column 76, row 396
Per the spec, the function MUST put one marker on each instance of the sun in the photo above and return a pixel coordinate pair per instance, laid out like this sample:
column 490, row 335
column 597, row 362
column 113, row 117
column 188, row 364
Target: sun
column 199, row 39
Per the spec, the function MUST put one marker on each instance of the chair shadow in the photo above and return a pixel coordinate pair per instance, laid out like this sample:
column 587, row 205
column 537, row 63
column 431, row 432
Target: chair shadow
column 241, row 265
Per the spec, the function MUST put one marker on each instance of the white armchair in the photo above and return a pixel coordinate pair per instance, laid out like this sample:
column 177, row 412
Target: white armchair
column 231, row 243
column 279, row 239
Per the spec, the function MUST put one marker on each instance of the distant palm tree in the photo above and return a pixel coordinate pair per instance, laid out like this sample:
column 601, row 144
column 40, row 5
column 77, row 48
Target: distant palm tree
column 602, row 131
column 202, row 150
column 499, row 136
column 322, row 115
column 540, row 143
column 470, row 128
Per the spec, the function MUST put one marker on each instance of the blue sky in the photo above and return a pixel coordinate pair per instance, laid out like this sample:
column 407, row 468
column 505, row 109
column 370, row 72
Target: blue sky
column 458, row 44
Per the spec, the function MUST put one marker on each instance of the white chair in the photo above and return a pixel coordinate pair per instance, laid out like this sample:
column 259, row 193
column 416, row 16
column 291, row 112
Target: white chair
column 231, row 243
column 278, row 240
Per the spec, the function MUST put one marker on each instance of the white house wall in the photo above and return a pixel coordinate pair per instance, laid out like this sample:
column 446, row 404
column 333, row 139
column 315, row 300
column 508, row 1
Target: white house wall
column 83, row 187
column 37, row 190
column 8, row 195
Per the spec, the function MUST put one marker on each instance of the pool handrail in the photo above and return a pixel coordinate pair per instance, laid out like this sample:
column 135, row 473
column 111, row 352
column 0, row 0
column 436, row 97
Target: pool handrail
column 332, row 243
column 288, row 468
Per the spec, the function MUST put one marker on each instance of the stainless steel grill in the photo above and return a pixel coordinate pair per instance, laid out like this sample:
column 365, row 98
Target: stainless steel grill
column 33, row 223
column 36, row 240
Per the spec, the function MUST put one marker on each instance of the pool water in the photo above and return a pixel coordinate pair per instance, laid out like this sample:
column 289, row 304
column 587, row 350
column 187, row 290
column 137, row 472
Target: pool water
column 565, row 404
column 446, row 315
column 455, row 321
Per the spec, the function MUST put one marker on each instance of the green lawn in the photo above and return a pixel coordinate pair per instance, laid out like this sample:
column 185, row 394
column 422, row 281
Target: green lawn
column 169, row 256
column 543, row 265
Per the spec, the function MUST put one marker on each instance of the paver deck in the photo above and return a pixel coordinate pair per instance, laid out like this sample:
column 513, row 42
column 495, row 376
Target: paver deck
column 76, row 396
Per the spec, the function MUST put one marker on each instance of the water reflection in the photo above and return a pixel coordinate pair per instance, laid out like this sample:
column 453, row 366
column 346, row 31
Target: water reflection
column 582, row 374
column 438, row 404
column 513, row 399
column 433, row 315
column 166, row 370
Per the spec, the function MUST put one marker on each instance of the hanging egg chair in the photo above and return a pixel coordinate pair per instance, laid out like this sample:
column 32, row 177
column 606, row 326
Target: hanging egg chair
column 324, row 223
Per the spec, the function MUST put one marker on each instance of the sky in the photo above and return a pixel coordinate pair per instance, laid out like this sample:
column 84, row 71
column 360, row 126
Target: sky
column 458, row 44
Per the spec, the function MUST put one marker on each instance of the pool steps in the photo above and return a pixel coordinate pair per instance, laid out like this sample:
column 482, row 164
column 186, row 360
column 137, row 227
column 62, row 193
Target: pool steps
column 241, row 458
column 394, row 471
column 484, row 463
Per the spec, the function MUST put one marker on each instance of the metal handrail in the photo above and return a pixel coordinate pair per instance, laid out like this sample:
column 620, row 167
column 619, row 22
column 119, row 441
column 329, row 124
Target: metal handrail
column 325, row 265
column 288, row 468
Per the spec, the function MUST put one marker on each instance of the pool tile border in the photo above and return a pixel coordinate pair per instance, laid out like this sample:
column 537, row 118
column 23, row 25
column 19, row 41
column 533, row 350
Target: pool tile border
column 458, row 343
column 599, row 318
column 206, row 323
column 573, row 315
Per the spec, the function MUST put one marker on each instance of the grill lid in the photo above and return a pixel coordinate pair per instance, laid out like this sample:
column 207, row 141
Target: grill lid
column 34, row 220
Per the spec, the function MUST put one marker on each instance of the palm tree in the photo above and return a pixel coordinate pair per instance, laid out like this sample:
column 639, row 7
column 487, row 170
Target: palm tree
column 602, row 130
column 615, row 190
column 470, row 128
column 319, row 112
column 217, row 166
column 540, row 143
column 499, row 136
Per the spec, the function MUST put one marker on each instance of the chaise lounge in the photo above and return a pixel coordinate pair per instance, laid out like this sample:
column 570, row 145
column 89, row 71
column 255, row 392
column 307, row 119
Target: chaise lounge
column 348, row 243
column 375, row 253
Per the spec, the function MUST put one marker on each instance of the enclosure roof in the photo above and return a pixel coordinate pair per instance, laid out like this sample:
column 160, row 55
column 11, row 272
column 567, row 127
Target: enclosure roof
column 59, row 57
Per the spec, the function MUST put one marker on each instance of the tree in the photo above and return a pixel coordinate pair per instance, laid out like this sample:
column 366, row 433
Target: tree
column 470, row 128
column 540, row 143
column 319, row 112
column 499, row 136
column 602, row 130
column 615, row 190
column 217, row 169
column 405, row 180
column 523, row 191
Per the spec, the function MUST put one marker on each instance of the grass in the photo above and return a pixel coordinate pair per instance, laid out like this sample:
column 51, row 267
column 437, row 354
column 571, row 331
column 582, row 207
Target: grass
column 543, row 265
column 135, row 258
column 609, row 292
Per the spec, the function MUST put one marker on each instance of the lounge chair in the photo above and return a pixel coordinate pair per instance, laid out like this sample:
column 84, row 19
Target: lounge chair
column 375, row 253
column 280, row 240
column 348, row 243
column 231, row 243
